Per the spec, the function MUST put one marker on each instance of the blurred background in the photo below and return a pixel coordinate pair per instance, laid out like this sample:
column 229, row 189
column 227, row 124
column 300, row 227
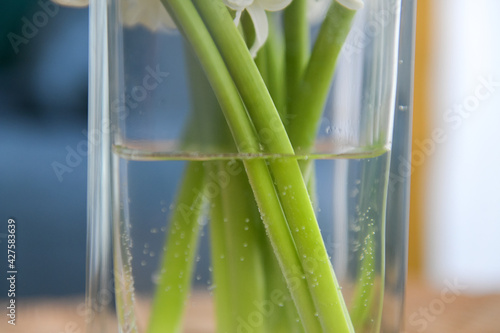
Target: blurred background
column 43, row 116
column 455, row 215
column 455, row 218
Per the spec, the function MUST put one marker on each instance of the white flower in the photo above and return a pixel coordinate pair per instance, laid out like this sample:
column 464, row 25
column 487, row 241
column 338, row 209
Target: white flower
column 152, row 14
column 317, row 9
column 257, row 11
column 72, row 3
column 149, row 13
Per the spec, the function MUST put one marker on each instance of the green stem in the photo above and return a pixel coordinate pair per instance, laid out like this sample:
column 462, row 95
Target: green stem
column 269, row 59
column 206, row 129
column 275, row 66
column 284, row 317
column 307, row 103
column 243, row 279
column 308, row 168
column 364, row 292
column 178, row 258
column 261, row 62
column 246, row 269
column 246, row 76
column 297, row 44
column 282, row 242
column 292, row 192
column 190, row 23
column 192, row 26
column 297, row 41
column 220, row 273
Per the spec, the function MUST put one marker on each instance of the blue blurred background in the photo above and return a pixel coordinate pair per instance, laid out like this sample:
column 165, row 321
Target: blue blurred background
column 43, row 118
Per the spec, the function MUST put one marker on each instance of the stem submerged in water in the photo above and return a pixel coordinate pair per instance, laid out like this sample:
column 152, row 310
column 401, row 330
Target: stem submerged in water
column 243, row 132
column 220, row 274
column 178, row 258
column 278, row 186
column 246, row 280
column 292, row 192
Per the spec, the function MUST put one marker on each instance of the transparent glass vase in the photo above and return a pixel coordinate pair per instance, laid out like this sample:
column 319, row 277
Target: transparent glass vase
column 239, row 180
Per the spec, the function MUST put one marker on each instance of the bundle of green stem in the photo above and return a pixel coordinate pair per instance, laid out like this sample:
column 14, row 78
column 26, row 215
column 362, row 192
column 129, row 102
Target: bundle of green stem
column 266, row 244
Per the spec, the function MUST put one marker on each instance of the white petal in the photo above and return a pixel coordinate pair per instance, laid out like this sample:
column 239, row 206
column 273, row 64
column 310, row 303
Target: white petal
column 260, row 23
column 149, row 13
column 352, row 4
column 273, row 5
column 238, row 5
column 72, row 3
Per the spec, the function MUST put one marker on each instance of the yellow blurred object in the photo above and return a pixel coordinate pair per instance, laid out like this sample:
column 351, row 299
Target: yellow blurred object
column 421, row 131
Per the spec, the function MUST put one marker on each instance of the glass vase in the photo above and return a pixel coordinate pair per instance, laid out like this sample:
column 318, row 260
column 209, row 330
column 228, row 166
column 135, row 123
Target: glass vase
column 238, row 179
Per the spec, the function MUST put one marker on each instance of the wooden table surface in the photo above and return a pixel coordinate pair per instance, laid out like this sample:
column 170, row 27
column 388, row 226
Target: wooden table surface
column 427, row 311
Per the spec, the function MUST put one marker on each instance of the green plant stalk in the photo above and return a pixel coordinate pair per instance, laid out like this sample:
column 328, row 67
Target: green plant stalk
column 269, row 60
column 307, row 92
column 275, row 66
column 243, row 279
column 309, row 174
column 261, row 62
column 246, row 76
column 192, row 26
column 306, row 106
column 206, row 129
column 231, row 276
column 220, row 273
column 297, row 55
column 304, row 115
column 292, row 192
column 179, row 254
column 297, row 44
column 364, row 292
column 246, row 283
column 283, row 319
column 282, row 243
